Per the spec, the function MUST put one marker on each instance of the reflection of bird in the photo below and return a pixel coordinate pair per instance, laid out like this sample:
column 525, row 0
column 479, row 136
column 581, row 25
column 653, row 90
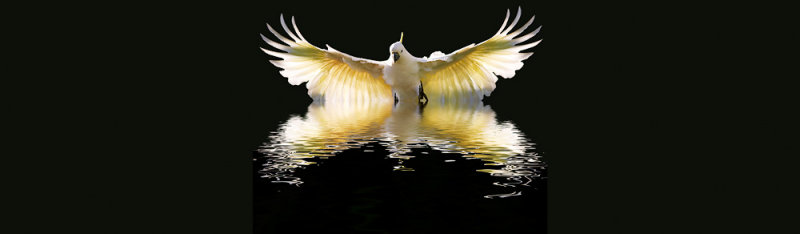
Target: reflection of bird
column 468, row 72
column 472, row 128
column 329, row 127
column 468, row 128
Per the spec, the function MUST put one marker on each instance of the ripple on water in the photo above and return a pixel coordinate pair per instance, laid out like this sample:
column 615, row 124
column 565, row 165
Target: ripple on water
column 469, row 130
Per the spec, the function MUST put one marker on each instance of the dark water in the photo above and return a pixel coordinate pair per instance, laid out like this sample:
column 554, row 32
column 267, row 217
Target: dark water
column 399, row 168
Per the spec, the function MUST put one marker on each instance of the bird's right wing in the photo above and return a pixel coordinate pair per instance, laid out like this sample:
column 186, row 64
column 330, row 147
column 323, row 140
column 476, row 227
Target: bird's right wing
column 331, row 75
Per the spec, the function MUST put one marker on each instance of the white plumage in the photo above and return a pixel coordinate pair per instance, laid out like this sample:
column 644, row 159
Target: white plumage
column 470, row 72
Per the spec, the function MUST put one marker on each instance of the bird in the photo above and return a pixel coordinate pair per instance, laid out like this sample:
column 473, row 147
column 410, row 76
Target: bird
column 467, row 73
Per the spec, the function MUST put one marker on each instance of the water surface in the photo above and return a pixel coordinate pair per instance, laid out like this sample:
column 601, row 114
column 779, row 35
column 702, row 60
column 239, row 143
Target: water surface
column 363, row 165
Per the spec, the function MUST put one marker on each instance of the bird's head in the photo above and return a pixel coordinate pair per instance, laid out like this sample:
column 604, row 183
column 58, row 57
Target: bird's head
column 397, row 49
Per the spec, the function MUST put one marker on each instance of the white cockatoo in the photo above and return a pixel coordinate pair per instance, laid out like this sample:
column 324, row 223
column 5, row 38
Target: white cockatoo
column 468, row 72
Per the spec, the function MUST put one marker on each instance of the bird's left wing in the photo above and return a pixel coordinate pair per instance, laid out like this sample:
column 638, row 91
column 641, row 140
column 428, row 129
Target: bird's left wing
column 330, row 74
column 472, row 71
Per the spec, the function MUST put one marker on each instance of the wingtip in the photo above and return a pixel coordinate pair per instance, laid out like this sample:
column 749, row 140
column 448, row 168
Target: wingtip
column 536, row 31
column 505, row 21
column 522, row 29
column 270, row 52
column 286, row 29
column 526, row 55
column 535, row 43
column 276, row 63
column 513, row 23
column 297, row 30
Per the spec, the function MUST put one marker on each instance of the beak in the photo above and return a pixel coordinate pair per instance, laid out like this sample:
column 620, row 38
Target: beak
column 396, row 56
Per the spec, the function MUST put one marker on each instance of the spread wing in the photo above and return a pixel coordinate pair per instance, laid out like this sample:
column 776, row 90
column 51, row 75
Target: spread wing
column 331, row 75
column 472, row 71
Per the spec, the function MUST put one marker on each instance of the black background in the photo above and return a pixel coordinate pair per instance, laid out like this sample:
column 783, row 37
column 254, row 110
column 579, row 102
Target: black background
column 151, row 112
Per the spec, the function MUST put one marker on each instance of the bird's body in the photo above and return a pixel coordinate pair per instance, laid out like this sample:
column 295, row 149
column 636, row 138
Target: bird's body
column 469, row 72
column 403, row 76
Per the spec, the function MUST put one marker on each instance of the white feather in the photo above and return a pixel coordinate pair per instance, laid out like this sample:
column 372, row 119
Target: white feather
column 470, row 71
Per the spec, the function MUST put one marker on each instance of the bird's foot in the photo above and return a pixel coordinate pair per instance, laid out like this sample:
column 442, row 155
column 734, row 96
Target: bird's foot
column 422, row 95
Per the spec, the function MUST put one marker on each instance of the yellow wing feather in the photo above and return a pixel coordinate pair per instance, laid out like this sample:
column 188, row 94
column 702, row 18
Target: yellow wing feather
column 330, row 74
column 472, row 71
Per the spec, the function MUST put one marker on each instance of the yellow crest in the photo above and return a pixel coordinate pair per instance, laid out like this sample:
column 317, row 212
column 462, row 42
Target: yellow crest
column 401, row 37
